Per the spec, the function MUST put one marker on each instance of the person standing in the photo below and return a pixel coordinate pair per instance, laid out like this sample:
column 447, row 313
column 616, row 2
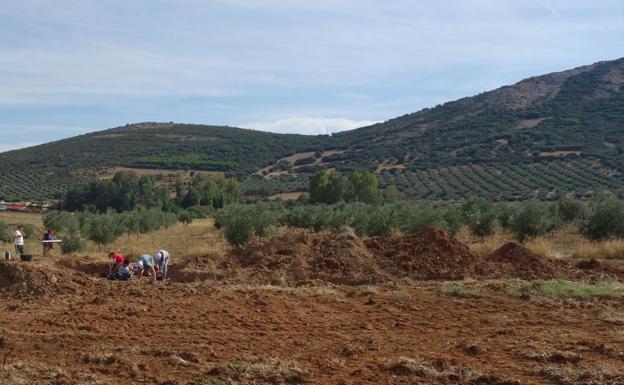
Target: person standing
column 46, row 238
column 162, row 261
column 18, row 239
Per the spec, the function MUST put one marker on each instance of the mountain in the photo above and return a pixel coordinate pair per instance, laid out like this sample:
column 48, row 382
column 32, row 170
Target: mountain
column 561, row 133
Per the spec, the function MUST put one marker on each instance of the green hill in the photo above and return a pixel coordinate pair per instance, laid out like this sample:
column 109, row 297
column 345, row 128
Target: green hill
column 542, row 137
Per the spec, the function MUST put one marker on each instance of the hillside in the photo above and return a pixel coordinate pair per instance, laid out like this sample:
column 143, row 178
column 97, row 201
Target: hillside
column 542, row 137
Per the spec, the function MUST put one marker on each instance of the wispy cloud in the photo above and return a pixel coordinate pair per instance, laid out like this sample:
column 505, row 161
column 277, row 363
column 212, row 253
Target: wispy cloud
column 308, row 125
column 100, row 63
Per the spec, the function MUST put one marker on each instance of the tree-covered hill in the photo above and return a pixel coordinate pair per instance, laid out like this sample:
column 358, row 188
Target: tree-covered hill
column 542, row 137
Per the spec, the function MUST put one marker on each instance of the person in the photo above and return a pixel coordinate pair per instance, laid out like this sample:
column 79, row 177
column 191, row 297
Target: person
column 145, row 262
column 18, row 239
column 162, row 261
column 124, row 273
column 48, row 236
column 116, row 261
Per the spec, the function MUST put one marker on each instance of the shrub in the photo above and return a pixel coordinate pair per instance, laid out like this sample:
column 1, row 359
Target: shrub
column 5, row 232
column 604, row 219
column 62, row 222
column 236, row 224
column 103, row 229
column 29, row 230
column 185, row 217
column 480, row 216
column 531, row 220
column 569, row 210
column 414, row 217
column 73, row 243
column 504, row 213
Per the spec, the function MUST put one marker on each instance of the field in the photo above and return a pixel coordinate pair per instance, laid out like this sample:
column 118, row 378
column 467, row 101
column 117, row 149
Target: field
column 320, row 308
column 550, row 180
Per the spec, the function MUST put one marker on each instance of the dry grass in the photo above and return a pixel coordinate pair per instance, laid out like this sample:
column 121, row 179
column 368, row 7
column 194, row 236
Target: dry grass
column 561, row 244
column 14, row 218
column 200, row 238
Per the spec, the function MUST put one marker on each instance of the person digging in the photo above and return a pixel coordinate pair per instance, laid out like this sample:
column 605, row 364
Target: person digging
column 145, row 262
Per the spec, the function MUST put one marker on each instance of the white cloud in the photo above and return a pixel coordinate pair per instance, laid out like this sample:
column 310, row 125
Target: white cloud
column 16, row 146
column 309, row 125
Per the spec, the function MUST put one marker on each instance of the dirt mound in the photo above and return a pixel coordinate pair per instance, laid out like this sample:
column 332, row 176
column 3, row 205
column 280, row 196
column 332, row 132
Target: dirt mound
column 515, row 261
column 42, row 280
column 85, row 264
column 427, row 254
column 302, row 257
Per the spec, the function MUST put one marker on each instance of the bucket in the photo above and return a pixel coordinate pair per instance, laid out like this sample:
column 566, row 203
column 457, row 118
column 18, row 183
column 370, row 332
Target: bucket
column 26, row 257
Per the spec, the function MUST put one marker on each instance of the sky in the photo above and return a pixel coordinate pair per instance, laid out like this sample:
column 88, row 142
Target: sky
column 68, row 67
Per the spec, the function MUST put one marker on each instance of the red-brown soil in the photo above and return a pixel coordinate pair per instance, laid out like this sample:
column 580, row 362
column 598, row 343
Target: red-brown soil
column 191, row 333
column 217, row 321
column 428, row 254
column 515, row 261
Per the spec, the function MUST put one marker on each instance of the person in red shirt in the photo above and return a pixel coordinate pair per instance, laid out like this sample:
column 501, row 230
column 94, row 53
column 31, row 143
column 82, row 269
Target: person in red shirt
column 116, row 261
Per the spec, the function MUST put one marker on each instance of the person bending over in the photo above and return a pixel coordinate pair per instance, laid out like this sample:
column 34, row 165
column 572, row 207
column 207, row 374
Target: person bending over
column 145, row 262
column 116, row 261
column 161, row 257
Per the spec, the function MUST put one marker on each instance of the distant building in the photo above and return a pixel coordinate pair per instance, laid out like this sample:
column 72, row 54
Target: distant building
column 20, row 207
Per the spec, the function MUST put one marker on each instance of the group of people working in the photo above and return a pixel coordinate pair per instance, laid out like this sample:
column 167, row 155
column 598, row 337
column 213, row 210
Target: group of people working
column 155, row 265
column 120, row 267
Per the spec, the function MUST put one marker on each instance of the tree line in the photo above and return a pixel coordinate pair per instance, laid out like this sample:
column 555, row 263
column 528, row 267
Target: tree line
column 598, row 220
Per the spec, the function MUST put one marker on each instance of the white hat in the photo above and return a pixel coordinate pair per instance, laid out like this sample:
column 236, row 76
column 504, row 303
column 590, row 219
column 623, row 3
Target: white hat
column 137, row 265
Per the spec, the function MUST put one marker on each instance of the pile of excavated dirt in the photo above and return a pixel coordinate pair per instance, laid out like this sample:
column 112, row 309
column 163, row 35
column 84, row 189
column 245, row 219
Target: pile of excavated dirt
column 41, row 280
column 427, row 254
column 302, row 257
column 515, row 261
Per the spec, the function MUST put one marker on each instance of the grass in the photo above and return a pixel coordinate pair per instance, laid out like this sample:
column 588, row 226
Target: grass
column 198, row 239
column 564, row 243
column 461, row 290
column 561, row 288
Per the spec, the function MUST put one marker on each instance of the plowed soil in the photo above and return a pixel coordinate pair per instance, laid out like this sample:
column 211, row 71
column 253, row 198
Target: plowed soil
column 218, row 321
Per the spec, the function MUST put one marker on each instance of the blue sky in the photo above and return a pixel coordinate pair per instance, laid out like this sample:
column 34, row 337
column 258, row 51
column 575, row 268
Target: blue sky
column 73, row 66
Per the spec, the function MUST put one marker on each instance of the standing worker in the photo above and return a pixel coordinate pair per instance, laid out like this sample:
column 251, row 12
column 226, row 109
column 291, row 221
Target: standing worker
column 18, row 239
column 47, row 246
column 162, row 261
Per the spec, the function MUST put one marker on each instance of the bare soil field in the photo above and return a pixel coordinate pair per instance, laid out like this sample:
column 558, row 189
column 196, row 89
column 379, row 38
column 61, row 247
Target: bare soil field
column 326, row 308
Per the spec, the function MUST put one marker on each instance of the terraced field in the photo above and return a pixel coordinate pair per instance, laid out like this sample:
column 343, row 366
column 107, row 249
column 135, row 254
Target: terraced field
column 582, row 178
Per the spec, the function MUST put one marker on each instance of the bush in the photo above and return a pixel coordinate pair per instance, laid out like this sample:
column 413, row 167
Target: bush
column 504, row 213
column 531, row 220
column 72, row 244
column 236, row 224
column 29, row 230
column 5, row 232
column 104, row 229
column 185, row 217
column 569, row 211
column 603, row 220
column 480, row 216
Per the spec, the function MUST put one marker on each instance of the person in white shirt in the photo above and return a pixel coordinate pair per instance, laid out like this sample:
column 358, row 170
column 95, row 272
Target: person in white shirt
column 18, row 239
column 161, row 257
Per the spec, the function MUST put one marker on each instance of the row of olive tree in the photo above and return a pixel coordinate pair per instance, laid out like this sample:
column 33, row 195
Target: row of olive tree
column 598, row 220
column 105, row 228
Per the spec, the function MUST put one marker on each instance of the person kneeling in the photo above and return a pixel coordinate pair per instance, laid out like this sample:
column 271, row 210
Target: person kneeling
column 124, row 273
